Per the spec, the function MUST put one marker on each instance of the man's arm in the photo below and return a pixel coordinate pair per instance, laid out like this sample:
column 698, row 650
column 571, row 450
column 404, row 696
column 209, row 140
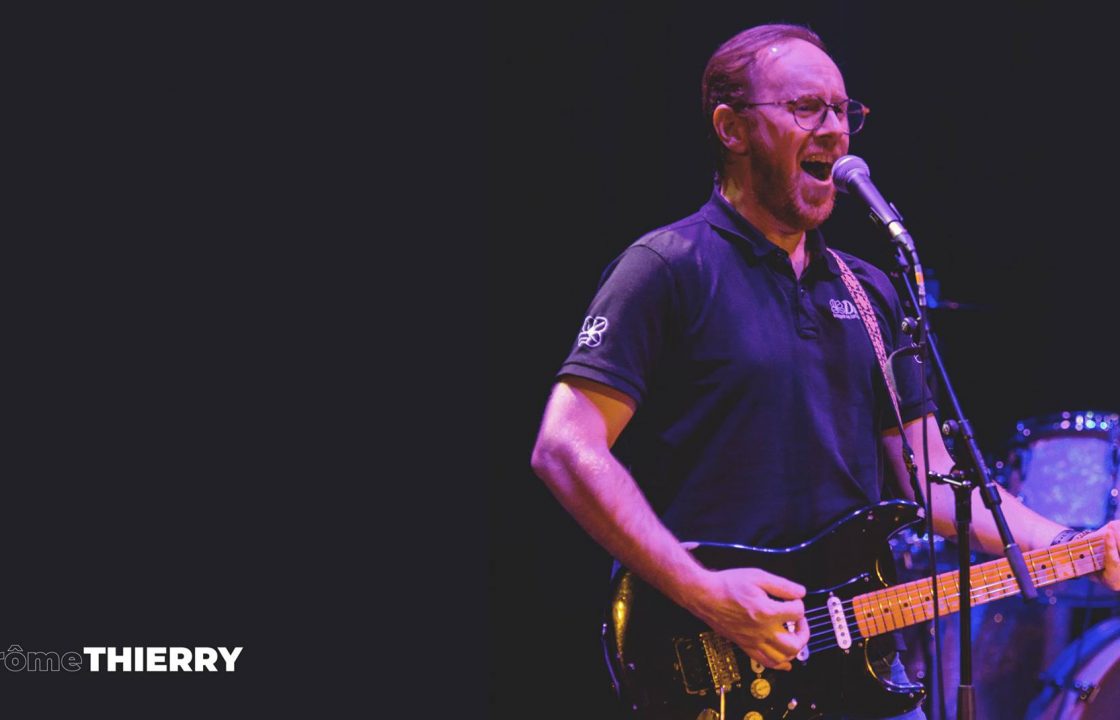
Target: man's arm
column 572, row 456
column 1029, row 529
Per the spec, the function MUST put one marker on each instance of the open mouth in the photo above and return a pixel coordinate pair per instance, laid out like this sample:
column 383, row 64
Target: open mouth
column 819, row 169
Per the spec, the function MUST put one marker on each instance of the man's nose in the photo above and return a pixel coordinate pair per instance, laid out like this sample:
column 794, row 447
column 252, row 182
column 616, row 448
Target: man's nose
column 832, row 122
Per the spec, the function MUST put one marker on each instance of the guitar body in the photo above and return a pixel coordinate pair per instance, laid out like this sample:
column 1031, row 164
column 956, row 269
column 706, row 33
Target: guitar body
column 666, row 664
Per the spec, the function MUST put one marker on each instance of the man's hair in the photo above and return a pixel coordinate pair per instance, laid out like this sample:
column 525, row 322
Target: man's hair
column 727, row 75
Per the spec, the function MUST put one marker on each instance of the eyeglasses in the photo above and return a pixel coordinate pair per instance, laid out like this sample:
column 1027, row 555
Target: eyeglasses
column 809, row 112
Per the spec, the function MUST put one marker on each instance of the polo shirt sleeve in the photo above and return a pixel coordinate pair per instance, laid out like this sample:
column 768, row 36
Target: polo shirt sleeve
column 908, row 372
column 624, row 331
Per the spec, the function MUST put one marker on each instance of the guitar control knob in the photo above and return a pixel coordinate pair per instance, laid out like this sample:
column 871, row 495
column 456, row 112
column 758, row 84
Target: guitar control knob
column 709, row 714
column 756, row 667
column 753, row 715
column 760, row 688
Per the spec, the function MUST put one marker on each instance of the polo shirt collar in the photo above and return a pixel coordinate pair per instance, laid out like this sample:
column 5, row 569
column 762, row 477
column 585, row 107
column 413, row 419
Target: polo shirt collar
column 814, row 243
column 719, row 213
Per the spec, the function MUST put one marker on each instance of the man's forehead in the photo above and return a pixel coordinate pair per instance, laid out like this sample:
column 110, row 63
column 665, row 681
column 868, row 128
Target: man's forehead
column 793, row 60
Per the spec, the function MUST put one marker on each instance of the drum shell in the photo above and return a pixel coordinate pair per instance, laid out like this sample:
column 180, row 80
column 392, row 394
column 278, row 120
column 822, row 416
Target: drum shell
column 1083, row 683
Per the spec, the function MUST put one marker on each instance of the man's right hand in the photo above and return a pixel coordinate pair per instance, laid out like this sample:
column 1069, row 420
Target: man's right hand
column 747, row 606
column 751, row 607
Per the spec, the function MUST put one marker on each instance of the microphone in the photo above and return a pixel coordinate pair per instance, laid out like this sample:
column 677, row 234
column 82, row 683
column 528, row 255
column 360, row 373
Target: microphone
column 850, row 173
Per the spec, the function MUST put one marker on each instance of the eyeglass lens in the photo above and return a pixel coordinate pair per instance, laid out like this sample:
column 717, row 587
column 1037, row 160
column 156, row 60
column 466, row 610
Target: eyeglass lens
column 810, row 113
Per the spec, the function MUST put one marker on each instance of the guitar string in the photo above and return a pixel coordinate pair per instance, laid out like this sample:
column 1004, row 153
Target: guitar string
column 948, row 608
column 824, row 631
column 822, row 635
column 1083, row 560
column 820, row 617
column 820, row 623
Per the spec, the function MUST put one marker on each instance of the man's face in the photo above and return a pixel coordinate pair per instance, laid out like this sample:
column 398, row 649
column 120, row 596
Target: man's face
column 791, row 168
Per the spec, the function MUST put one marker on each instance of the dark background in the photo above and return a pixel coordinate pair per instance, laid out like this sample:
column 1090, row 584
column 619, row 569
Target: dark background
column 181, row 424
column 990, row 131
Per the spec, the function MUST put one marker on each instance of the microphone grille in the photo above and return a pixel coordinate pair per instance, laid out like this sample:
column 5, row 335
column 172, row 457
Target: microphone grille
column 847, row 167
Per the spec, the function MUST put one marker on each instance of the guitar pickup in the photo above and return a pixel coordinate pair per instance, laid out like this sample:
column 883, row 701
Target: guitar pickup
column 692, row 665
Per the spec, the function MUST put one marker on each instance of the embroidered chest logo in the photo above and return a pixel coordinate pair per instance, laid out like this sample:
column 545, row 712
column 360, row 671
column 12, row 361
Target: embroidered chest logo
column 843, row 309
column 593, row 329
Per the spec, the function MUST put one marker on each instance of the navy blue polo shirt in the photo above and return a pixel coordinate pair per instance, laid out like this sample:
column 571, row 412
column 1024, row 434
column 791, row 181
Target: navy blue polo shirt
column 760, row 401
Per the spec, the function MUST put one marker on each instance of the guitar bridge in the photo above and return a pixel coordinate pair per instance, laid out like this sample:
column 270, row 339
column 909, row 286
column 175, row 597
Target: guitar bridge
column 706, row 665
column 722, row 665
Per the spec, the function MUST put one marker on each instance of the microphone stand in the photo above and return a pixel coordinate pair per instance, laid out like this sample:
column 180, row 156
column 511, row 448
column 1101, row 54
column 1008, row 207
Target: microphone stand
column 973, row 475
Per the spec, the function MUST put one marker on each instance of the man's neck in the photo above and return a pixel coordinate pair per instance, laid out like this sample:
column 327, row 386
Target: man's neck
column 745, row 203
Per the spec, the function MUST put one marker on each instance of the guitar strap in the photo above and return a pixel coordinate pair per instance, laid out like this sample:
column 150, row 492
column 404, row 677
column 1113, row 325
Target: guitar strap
column 871, row 324
column 867, row 314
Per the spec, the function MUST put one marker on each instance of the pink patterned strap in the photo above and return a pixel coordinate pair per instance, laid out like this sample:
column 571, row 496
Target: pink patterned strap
column 863, row 305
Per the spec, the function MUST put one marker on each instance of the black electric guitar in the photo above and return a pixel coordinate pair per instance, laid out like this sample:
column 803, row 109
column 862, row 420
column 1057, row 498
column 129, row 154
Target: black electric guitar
column 666, row 664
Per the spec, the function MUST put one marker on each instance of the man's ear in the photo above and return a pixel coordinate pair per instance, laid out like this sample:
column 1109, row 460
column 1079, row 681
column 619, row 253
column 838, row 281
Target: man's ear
column 731, row 129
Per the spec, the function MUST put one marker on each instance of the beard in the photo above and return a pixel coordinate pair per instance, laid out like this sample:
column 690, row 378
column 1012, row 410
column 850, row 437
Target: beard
column 783, row 196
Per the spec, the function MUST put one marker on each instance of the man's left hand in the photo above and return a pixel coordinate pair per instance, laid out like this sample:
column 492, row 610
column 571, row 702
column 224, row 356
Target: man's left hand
column 1110, row 575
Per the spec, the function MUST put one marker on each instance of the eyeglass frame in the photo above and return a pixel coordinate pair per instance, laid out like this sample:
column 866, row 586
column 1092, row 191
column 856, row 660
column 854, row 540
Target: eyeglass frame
column 835, row 107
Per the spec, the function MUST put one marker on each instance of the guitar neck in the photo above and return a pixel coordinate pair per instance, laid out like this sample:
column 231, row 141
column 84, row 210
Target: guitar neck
column 900, row 606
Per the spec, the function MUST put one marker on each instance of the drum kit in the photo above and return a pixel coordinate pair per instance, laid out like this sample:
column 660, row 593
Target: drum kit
column 1058, row 657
